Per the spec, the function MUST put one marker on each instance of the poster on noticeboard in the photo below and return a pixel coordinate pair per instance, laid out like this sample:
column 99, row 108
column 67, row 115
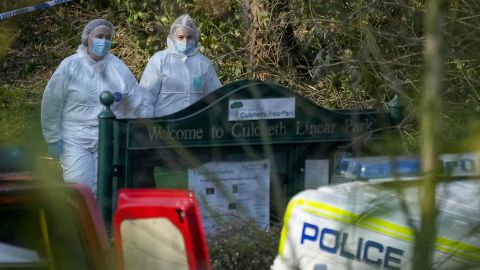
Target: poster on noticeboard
column 230, row 192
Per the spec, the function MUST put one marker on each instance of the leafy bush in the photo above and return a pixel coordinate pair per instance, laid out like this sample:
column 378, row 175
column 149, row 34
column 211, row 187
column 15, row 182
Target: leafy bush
column 244, row 246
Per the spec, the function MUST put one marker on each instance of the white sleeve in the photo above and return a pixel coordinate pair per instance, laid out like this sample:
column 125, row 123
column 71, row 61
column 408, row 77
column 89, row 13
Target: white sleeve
column 150, row 85
column 53, row 101
column 133, row 98
column 212, row 82
column 142, row 107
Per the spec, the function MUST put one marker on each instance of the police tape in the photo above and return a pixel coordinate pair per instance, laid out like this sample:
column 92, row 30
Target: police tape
column 40, row 6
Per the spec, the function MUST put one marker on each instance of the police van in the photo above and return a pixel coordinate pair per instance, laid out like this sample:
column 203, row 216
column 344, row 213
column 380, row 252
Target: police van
column 379, row 168
column 388, row 168
column 363, row 225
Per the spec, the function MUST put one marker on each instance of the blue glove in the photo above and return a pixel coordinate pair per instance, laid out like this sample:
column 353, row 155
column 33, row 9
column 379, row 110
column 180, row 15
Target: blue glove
column 55, row 149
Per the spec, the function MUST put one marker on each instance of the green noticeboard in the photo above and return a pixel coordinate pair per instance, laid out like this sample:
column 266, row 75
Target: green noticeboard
column 245, row 124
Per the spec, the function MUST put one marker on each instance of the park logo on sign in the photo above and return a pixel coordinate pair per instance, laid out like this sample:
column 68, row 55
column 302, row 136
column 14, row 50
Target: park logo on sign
column 265, row 108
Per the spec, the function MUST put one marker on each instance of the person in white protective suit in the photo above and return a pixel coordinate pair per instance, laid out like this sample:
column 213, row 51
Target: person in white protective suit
column 70, row 104
column 179, row 75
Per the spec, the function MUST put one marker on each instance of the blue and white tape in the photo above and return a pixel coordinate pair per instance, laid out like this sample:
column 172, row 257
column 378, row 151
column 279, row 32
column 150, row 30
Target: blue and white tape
column 40, row 6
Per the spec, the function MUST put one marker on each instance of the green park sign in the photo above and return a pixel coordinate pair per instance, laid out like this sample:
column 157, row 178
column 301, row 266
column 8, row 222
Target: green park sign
column 252, row 112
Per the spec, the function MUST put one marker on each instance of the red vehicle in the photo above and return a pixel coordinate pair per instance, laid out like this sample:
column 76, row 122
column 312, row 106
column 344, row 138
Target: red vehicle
column 60, row 227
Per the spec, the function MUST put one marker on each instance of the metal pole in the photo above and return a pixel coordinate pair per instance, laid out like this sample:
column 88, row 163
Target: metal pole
column 105, row 157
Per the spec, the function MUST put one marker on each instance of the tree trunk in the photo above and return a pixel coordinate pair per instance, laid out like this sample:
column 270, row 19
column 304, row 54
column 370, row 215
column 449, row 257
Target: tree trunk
column 429, row 131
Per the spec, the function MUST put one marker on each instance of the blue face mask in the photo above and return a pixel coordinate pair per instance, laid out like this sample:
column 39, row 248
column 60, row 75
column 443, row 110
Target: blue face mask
column 100, row 47
column 184, row 47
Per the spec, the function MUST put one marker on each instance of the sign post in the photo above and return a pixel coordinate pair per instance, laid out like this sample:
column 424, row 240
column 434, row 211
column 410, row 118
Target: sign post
column 105, row 157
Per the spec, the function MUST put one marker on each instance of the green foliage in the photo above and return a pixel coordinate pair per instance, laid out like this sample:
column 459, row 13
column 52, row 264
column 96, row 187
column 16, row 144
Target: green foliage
column 19, row 113
column 148, row 20
column 370, row 50
column 10, row 26
column 244, row 246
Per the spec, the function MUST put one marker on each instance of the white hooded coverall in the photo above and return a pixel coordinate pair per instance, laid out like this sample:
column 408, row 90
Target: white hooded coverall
column 174, row 80
column 70, row 109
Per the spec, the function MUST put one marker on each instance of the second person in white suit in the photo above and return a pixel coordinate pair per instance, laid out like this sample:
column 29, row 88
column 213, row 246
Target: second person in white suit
column 179, row 75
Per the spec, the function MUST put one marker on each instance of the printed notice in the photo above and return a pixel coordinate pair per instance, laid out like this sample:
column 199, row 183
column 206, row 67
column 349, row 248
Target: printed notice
column 230, row 192
column 264, row 108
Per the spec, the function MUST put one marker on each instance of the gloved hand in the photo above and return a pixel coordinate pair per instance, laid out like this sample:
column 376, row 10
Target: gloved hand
column 55, row 149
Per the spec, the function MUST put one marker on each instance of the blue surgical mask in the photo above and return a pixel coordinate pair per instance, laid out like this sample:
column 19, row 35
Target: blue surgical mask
column 100, row 47
column 184, row 47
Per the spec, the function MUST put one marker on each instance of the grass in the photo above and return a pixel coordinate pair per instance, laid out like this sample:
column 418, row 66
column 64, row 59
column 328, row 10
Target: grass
column 20, row 125
column 19, row 116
